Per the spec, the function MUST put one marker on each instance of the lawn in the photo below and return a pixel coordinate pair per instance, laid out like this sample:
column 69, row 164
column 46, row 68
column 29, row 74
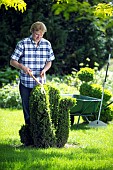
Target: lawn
column 87, row 148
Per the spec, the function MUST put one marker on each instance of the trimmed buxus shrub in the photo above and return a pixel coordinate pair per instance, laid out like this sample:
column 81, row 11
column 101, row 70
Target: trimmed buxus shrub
column 49, row 118
column 86, row 74
column 95, row 90
column 62, row 131
column 88, row 88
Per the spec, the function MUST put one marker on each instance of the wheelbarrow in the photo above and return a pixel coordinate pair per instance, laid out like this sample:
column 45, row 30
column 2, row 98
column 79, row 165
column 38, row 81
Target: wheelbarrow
column 85, row 106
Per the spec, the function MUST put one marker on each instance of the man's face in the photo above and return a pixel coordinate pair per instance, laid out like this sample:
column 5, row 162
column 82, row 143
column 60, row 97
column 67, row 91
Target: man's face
column 37, row 35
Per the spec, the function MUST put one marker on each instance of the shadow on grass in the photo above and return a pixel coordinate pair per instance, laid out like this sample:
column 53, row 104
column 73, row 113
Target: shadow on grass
column 29, row 158
column 83, row 126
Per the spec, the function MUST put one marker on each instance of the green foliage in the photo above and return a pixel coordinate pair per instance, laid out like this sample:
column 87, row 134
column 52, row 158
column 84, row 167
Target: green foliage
column 88, row 41
column 88, row 29
column 49, row 120
column 9, row 97
column 40, row 122
column 86, row 74
column 107, row 113
column 8, row 76
column 95, row 90
column 16, row 4
column 102, row 11
column 62, row 132
column 25, row 135
column 85, row 89
column 54, row 97
column 72, row 6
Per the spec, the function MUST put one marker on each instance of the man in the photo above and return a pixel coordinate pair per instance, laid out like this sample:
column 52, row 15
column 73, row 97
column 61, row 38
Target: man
column 32, row 55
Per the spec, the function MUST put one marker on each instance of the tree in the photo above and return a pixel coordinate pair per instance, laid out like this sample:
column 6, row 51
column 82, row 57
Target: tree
column 19, row 5
column 87, row 22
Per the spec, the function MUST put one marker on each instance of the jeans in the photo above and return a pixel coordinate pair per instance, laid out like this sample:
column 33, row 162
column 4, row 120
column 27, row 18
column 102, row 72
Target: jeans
column 25, row 94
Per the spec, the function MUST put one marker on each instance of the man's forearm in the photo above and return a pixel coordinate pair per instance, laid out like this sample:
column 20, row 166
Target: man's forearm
column 16, row 64
column 47, row 66
column 20, row 66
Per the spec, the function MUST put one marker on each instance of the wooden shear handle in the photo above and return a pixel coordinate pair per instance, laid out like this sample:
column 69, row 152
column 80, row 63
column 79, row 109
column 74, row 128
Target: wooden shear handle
column 34, row 78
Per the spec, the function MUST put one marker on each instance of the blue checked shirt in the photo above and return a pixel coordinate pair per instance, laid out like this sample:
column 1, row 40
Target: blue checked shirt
column 34, row 57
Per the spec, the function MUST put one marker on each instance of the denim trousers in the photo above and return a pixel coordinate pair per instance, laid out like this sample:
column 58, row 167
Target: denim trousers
column 25, row 95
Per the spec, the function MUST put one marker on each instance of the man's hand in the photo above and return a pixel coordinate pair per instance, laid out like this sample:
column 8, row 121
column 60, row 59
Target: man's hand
column 26, row 70
column 20, row 66
column 42, row 74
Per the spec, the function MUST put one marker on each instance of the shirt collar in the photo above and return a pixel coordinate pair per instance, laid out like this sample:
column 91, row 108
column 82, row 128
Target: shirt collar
column 34, row 41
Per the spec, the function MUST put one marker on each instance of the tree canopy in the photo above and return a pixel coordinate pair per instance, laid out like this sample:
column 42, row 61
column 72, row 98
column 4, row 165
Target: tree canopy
column 19, row 5
column 101, row 10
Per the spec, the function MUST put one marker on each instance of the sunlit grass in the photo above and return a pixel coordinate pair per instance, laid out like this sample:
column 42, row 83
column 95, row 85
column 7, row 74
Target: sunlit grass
column 87, row 148
column 10, row 123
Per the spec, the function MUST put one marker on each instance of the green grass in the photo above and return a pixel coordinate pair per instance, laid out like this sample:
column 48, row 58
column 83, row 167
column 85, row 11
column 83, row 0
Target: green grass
column 87, row 148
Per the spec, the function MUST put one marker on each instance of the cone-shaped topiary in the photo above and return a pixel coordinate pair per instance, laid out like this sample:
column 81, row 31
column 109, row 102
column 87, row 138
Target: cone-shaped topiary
column 54, row 98
column 62, row 132
column 40, row 121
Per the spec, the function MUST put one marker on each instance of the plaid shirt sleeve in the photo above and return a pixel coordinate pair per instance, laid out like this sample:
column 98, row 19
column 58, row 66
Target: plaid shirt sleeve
column 50, row 53
column 18, row 52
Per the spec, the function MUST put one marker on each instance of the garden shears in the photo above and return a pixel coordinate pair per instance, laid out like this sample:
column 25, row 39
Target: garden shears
column 41, row 84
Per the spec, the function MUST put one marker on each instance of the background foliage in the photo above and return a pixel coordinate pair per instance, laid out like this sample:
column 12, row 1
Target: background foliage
column 19, row 5
column 83, row 36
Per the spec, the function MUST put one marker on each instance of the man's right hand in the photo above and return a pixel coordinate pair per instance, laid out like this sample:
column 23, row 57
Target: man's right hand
column 20, row 66
column 26, row 70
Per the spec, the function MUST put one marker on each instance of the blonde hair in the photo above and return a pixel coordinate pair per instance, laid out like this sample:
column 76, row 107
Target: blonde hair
column 38, row 26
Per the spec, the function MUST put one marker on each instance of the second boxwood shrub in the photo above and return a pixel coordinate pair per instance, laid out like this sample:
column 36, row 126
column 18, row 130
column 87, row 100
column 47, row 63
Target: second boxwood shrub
column 95, row 90
column 86, row 74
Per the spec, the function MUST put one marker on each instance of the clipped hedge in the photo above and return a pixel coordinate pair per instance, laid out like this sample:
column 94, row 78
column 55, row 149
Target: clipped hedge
column 86, row 74
column 62, row 132
column 41, row 124
column 25, row 134
column 88, row 88
column 95, row 90
column 54, row 98
column 49, row 118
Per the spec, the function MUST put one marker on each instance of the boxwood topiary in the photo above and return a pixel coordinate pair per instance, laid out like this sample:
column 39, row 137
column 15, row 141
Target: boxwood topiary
column 95, row 90
column 40, row 121
column 86, row 74
column 85, row 89
column 54, row 98
column 106, row 113
column 62, row 132
column 49, row 118
column 25, row 135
